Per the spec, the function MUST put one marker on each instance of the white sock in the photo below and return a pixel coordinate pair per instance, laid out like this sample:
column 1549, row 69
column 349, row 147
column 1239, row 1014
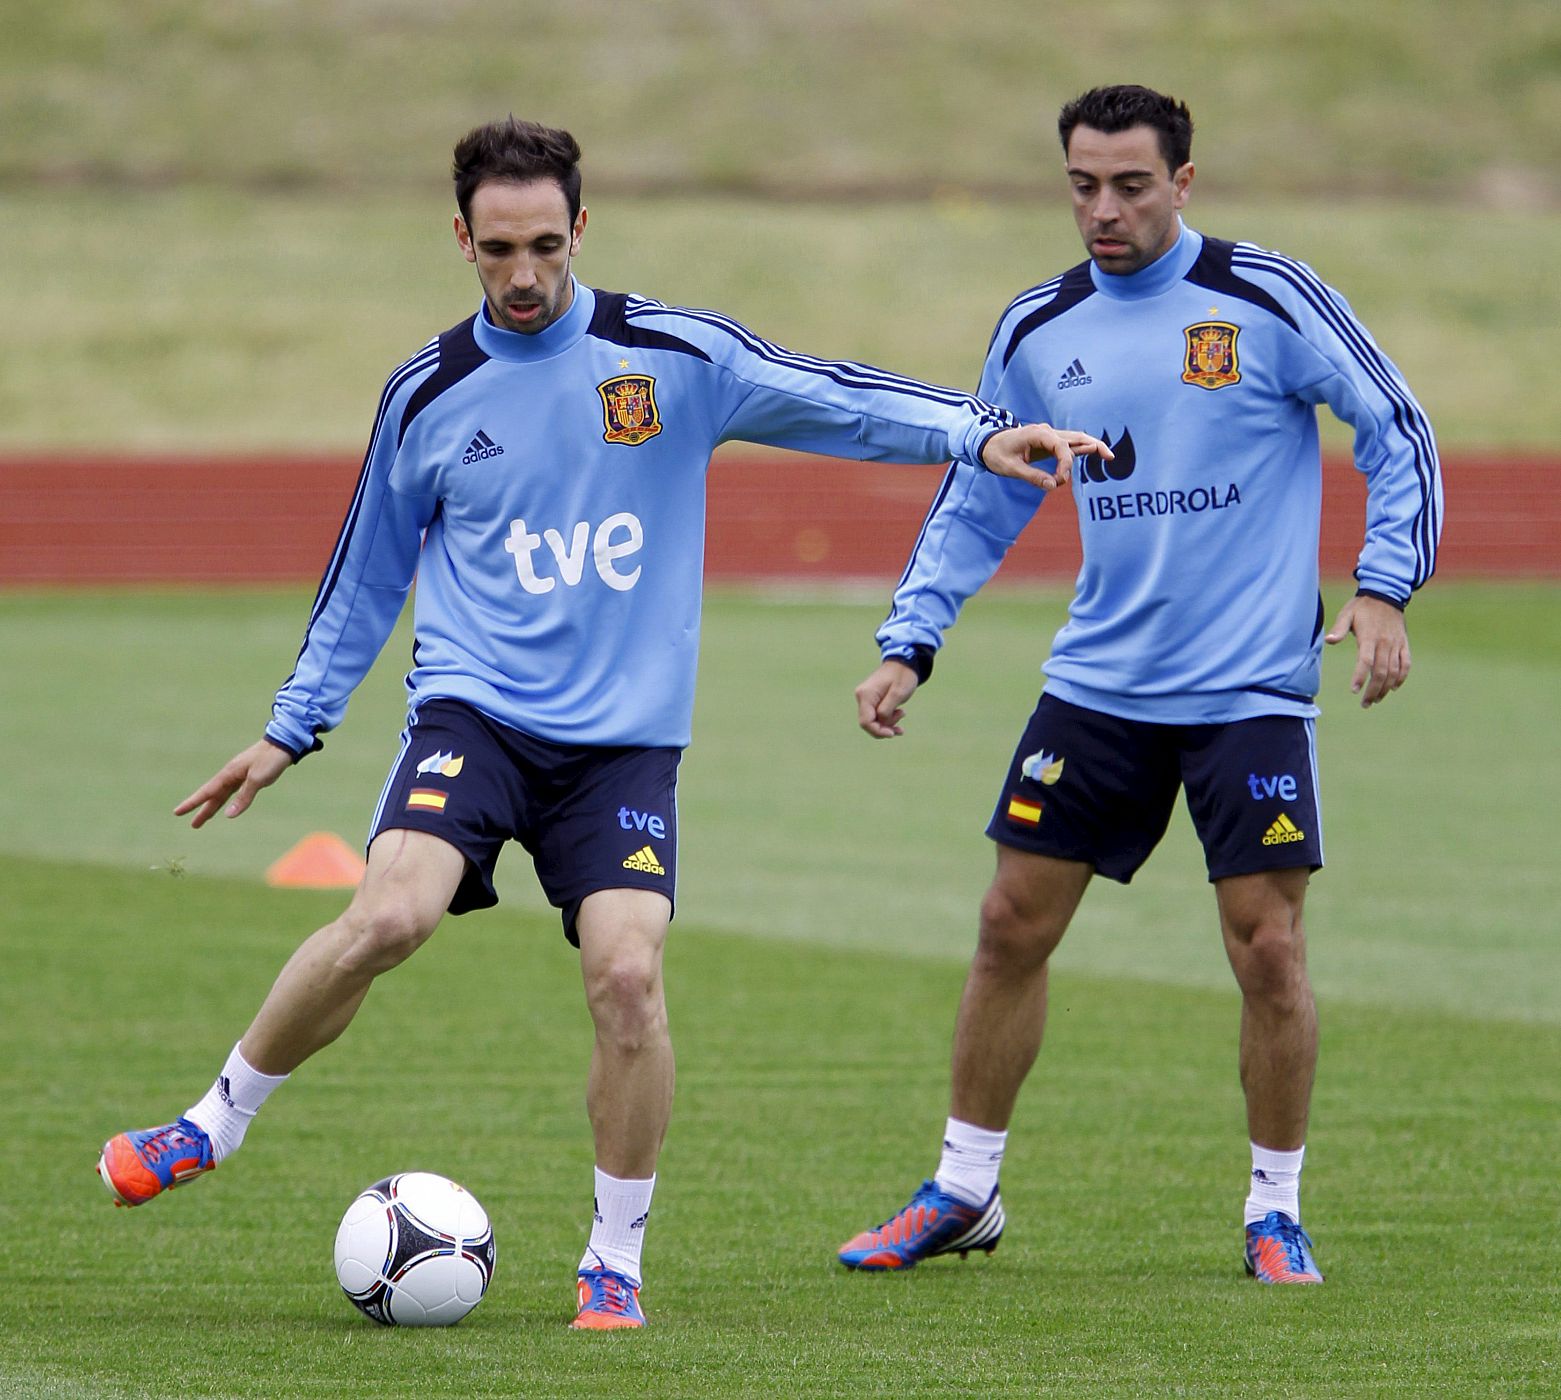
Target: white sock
column 1276, row 1183
column 231, row 1103
column 618, row 1226
column 972, row 1158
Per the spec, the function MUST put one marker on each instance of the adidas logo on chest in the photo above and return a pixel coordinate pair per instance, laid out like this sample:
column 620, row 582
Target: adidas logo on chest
column 481, row 447
column 1074, row 377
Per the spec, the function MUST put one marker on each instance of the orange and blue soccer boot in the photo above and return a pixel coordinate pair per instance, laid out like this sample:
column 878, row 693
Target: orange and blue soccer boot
column 932, row 1223
column 1280, row 1251
column 137, row 1166
column 607, row 1301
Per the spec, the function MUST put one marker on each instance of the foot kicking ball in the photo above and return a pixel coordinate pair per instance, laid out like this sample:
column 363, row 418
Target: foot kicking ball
column 415, row 1250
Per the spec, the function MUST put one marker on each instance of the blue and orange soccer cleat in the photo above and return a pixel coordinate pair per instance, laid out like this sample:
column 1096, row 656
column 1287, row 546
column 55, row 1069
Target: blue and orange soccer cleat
column 137, row 1166
column 933, row 1222
column 1280, row 1251
column 607, row 1300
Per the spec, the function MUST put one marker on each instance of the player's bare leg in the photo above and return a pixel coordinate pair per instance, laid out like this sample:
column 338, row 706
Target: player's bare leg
column 997, row 1035
column 1002, row 1011
column 410, row 880
column 629, row 1094
column 405, row 891
column 1265, row 939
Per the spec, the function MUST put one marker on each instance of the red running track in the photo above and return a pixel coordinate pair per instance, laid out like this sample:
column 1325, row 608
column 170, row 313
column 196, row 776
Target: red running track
column 230, row 519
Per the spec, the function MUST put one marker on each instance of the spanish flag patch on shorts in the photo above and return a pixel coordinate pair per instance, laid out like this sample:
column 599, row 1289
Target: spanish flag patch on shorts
column 427, row 800
column 1023, row 809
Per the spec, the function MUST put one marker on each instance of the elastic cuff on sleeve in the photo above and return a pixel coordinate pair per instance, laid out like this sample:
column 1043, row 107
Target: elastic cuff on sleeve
column 297, row 755
column 981, row 442
column 918, row 658
column 1388, row 598
column 989, row 423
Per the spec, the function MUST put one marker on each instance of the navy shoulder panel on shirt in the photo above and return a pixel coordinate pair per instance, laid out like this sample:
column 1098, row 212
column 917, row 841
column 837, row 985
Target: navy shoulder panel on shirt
column 610, row 322
column 1074, row 288
column 459, row 355
column 1213, row 270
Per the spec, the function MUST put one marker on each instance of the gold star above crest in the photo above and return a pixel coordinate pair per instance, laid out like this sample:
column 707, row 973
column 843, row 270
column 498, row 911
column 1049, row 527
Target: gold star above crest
column 1214, row 311
column 623, row 364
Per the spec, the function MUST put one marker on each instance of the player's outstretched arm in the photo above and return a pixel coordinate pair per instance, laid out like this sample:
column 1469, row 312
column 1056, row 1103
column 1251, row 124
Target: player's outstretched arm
column 880, row 699
column 240, row 778
column 1010, row 453
column 1381, row 647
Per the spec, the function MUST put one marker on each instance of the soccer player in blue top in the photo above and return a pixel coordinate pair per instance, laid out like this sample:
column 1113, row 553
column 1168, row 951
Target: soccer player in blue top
column 540, row 468
column 1191, row 654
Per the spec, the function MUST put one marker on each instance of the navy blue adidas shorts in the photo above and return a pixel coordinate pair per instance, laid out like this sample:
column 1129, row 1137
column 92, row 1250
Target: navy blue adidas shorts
column 592, row 818
column 1092, row 787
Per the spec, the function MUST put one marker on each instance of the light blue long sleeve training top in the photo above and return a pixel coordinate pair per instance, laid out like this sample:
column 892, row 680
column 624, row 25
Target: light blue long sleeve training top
column 548, row 491
column 1198, row 598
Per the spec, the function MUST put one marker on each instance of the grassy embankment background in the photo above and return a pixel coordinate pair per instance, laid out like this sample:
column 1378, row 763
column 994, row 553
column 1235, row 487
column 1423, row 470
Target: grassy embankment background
column 224, row 225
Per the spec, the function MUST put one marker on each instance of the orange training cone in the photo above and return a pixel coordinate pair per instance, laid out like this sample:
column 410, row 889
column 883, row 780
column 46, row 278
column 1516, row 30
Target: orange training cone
column 321, row 861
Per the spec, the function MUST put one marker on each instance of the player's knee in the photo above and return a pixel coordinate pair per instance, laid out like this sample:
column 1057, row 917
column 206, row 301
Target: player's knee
column 1016, row 935
column 625, row 997
column 383, row 935
column 1271, row 963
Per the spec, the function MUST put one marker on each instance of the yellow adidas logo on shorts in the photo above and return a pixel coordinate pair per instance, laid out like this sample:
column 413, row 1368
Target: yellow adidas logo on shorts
column 1282, row 832
column 644, row 860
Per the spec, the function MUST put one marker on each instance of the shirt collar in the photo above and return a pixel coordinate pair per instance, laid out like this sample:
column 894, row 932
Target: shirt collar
column 1159, row 276
column 501, row 344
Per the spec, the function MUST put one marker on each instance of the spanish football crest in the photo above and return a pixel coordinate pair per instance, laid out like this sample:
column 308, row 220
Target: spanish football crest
column 629, row 409
column 1211, row 355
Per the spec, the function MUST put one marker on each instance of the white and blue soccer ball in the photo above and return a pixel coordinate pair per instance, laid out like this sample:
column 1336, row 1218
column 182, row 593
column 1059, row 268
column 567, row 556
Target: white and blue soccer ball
column 415, row 1250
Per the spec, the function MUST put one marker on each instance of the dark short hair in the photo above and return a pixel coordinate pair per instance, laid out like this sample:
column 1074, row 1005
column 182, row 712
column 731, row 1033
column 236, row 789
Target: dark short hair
column 1113, row 109
column 518, row 151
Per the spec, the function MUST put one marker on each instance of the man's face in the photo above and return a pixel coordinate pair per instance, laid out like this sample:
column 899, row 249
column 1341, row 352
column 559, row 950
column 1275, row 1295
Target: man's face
column 1125, row 200
column 521, row 240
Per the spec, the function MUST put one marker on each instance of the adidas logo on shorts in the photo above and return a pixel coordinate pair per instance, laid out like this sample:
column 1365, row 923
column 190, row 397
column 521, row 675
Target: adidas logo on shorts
column 644, row 860
column 1282, row 832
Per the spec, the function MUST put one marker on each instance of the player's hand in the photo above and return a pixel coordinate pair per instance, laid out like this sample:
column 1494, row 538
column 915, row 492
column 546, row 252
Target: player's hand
column 1381, row 647
column 880, row 699
column 240, row 778
column 1010, row 452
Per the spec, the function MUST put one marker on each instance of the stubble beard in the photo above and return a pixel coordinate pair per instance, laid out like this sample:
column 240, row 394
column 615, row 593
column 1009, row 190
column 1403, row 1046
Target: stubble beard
column 549, row 314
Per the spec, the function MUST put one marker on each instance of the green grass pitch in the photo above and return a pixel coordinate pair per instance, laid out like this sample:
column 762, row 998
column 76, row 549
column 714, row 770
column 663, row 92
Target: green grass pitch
column 826, row 907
